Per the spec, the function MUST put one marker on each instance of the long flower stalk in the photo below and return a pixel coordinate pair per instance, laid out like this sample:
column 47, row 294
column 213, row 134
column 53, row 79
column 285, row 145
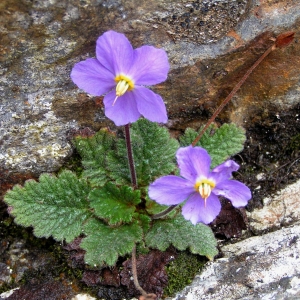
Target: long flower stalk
column 130, row 156
column 163, row 213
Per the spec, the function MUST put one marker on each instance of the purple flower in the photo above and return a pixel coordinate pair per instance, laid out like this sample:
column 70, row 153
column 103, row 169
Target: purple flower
column 120, row 72
column 199, row 186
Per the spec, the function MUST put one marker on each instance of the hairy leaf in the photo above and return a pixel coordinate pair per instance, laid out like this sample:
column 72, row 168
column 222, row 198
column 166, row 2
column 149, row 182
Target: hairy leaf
column 105, row 156
column 144, row 221
column 153, row 151
column 153, row 207
column 94, row 150
column 182, row 234
column 54, row 206
column 221, row 143
column 115, row 204
column 105, row 244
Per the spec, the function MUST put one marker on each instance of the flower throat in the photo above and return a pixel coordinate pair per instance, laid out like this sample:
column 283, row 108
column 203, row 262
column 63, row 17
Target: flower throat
column 124, row 83
column 204, row 188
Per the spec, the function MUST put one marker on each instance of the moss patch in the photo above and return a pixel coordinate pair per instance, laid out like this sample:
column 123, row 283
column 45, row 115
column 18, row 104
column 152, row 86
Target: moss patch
column 182, row 271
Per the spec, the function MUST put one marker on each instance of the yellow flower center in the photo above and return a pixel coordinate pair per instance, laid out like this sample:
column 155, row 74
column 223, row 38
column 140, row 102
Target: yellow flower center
column 124, row 84
column 204, row 188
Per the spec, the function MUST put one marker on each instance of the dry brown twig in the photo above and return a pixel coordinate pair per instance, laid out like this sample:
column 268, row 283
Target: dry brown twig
column 281, row 41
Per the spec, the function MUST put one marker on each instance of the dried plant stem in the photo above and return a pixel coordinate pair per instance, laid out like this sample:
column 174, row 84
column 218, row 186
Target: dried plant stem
column 163, row 213
column 130, row 156
column 134, row 273
column 235, row 89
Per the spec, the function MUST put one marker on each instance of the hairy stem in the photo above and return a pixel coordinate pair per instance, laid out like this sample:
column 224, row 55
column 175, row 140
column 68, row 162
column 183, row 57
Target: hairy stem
column 233, row 92
column 130, row 156
column 163, row 213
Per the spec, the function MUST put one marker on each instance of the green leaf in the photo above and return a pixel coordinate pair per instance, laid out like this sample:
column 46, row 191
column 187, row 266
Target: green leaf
column 153, row 151
column 105, row 157
column 221, row 144
column 182, row 234
column 94, row 150
column 152, row 207
column 54, row 206
column 144, row 221
column 115, row 204
column 104, row 244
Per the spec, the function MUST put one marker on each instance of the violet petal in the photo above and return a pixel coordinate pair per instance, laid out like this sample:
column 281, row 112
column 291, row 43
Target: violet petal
column 150, row 105
column 150, row 66
column 193, row 162
column 170, row 190
column 226, row 168
column 92, row 77
column 123, row 111
column 196, row 211
column 114, row 52
column 238, row 193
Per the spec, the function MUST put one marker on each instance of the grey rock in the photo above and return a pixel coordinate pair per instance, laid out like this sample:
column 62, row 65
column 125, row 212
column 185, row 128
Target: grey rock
column 42, row 40
column 5, row 273
column 279, row 210
column 261, row 267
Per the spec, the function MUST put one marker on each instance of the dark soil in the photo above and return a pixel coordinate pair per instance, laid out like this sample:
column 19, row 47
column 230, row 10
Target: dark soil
column 272, row 149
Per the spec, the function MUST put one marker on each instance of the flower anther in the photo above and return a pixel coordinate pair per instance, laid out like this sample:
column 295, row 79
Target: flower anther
column 124, row 84
column 204, row 188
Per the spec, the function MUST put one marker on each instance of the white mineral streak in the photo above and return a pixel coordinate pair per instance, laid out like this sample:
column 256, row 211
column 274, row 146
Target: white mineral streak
column 83, row 297
column 8, row 293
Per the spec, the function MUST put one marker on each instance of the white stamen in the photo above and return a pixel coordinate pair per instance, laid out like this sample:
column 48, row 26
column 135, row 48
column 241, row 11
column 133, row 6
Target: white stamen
column 121, row 88
column 204, row 191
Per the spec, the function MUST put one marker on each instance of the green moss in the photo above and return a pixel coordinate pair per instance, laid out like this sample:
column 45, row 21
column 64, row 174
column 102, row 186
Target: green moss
column 5, row 287
column 182, row 271
column 294, row 143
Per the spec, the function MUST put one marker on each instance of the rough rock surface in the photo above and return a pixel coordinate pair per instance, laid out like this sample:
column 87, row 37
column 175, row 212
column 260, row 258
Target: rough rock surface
column 280, row 210
column 260, row 267
column 210, row 45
